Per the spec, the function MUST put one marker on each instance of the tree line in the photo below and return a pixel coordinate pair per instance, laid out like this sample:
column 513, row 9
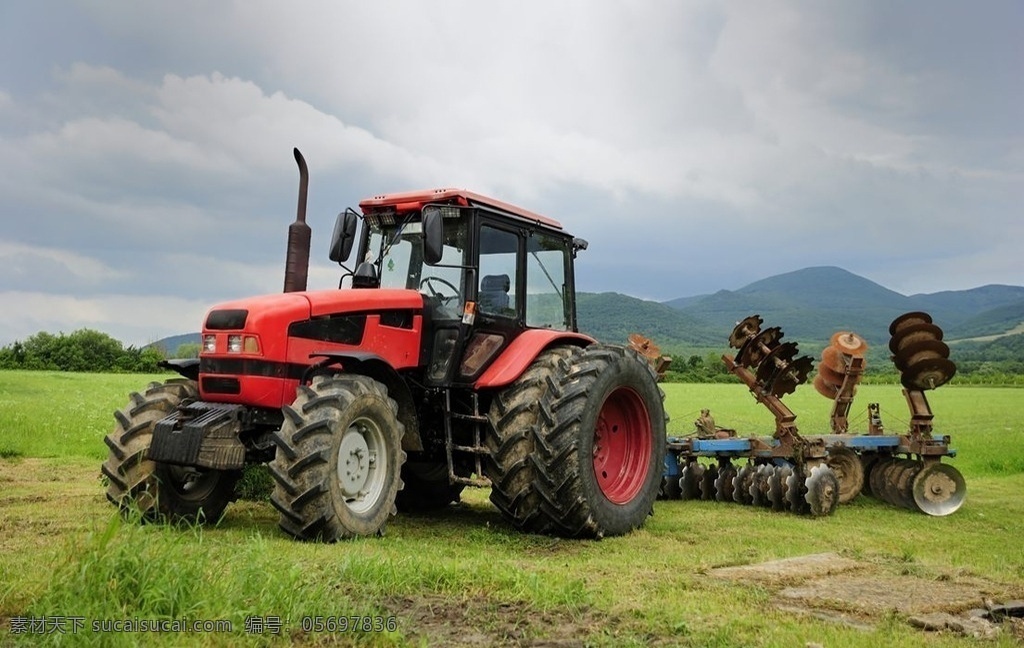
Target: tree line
column 84, row 350
column 973, row 368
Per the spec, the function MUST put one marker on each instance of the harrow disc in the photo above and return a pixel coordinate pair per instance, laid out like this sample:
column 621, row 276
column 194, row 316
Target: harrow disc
column 744, row 330
column 777, row 487
column 822, row 491
column 929, row 374
column 724, row 482
column 889, row 492
column 794, row 375
column 741, row 485
column 867, row 462
column 689, row 482
column 795, row 492
column 912, row 354
column 913, row 334
column 670, row 488
column 707, row 483
column 939, row 489
column 775, row 361
column 905, row 483
column 754, row 351
column 876, row 478
column 825, row 388
column 849, row 343
column 832, row 358
column 909, row 319
column 759, row 486
column 830, row 376
column 848, row 469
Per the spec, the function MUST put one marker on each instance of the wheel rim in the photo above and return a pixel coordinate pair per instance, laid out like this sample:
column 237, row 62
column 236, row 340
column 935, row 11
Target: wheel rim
column 362, row 465
column 191, row 484
column 622, row 446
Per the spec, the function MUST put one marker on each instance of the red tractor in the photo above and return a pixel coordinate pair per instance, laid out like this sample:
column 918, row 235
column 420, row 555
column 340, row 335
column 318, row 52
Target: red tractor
column 451, row 358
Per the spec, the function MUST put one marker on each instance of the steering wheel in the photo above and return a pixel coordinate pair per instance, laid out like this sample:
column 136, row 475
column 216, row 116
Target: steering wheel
column 444, row 298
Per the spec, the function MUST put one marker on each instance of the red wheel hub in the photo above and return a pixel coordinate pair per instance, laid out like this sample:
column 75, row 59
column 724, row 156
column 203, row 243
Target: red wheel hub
column 622, row 446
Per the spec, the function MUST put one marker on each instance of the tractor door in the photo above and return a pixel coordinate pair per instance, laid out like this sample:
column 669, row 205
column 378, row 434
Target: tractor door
column 523, row 281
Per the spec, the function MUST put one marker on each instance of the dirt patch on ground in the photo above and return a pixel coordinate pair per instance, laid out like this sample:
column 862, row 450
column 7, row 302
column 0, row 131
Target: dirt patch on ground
column 879, row 593
column 858, row 593
column 789, row 569
column 443, row 622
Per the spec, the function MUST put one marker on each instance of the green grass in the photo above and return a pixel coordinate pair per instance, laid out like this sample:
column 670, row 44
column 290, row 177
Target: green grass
column 464, row 577
column 61, row 414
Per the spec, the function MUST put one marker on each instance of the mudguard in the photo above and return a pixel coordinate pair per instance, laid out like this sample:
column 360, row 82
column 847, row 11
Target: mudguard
column 519, row 355
column 187, row 367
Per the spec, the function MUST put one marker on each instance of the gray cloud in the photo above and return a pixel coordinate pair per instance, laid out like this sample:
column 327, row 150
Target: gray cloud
column 698, row 146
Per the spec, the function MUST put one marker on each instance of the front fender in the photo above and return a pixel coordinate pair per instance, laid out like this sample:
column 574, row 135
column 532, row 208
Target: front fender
column 376, row 367
column 187, row 367
column 514, row 360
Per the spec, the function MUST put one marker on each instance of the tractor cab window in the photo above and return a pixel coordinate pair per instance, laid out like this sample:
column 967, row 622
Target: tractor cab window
column 397, row 251
column 547, row 258
column 499, row 250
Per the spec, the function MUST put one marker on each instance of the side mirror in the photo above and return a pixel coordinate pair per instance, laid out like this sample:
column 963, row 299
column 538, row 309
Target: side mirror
column 433, row 235
column 343, row 237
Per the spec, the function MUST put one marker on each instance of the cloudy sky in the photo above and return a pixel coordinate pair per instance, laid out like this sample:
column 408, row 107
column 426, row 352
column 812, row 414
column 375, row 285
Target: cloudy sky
column 698, row 146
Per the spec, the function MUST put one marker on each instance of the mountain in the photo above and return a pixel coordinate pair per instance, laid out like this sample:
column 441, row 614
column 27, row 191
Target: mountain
column 170, row 344
column 813, row 303
column 611, row 317
column 992, row 303
column 996, row 321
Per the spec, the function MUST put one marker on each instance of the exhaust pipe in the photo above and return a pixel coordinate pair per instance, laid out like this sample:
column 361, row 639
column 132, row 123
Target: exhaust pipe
column 296, row 265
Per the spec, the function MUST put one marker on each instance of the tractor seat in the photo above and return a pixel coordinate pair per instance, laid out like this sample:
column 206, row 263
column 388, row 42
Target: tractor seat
column 494, row 294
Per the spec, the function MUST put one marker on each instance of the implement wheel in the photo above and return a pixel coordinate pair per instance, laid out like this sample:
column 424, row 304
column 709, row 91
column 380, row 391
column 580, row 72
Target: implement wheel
column 601, row 443
column 158, row 490
column 339, row 459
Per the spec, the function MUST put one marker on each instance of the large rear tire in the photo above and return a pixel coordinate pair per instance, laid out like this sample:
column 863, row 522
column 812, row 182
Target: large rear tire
column 159, row 490
column 601, row 443
column 339, row 459
column 510, row 467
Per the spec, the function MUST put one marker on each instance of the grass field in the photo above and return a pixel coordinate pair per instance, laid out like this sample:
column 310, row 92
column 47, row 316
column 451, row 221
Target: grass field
column 463, row 577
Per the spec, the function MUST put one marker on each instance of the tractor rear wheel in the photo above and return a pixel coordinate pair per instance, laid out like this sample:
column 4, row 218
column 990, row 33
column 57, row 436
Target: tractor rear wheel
column 426, row 487
column 510, row 466
column 601, row 443
column 339, row 459
column 157, row 489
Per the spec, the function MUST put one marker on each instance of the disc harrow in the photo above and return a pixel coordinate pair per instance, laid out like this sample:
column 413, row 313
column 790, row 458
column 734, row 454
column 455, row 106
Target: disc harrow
column 814, row 474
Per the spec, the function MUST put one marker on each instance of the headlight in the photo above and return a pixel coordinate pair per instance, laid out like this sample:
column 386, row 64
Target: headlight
column 234, row 344
column 209, row 343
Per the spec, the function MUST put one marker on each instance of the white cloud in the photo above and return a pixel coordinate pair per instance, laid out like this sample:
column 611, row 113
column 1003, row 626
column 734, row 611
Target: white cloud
column 20, row 260
column 135, row 320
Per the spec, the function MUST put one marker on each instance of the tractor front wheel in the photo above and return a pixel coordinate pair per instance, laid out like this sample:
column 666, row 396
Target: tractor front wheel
column 601, row 443
column 159, row 490
column 339, row 458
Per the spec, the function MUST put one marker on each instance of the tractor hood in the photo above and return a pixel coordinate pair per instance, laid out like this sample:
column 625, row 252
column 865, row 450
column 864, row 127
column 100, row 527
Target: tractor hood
column 253, row 313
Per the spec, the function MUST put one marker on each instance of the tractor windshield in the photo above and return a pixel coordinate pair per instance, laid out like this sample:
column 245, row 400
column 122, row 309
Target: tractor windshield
column 397, row 251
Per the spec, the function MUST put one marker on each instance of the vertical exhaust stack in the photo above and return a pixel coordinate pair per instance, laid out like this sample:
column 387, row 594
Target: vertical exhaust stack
column 296, row 265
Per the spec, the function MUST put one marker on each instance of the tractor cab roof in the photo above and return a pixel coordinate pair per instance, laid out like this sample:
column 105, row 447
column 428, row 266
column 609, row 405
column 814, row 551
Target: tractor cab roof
column 415, row 200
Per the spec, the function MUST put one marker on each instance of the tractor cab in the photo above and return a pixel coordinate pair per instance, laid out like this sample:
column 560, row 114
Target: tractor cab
column 487, row 271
